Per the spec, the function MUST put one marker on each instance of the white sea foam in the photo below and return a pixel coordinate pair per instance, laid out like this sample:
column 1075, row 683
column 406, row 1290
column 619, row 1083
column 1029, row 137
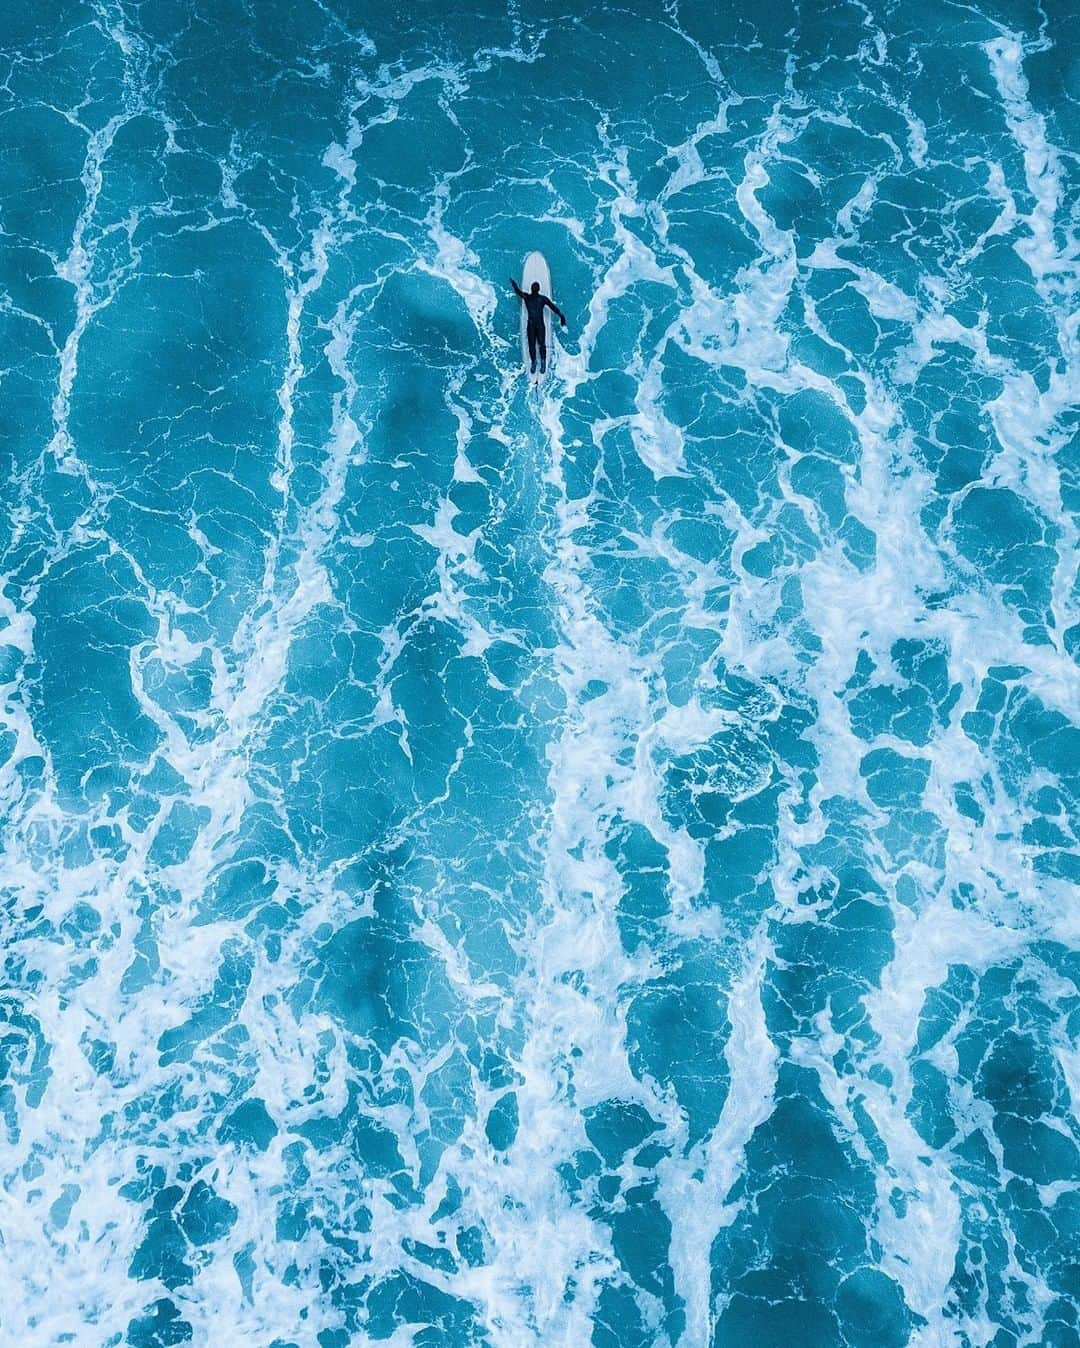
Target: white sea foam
column 612, row 726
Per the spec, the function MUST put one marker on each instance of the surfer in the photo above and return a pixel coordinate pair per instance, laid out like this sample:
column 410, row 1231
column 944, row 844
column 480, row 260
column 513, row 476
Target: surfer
column 535, row 304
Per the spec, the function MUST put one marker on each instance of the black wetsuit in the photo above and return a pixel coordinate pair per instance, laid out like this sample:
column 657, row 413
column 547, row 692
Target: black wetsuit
column 535, row 329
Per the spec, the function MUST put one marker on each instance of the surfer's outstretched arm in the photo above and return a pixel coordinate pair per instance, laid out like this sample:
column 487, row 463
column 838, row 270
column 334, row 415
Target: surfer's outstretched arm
column 517, row 289
column 556, row 310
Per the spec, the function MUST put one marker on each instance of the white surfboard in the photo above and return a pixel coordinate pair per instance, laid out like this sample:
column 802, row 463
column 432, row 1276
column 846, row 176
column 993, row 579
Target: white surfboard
column 535, row 268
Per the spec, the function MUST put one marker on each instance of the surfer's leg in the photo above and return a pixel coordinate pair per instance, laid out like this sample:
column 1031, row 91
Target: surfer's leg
column 531, row 333
column 543, row 351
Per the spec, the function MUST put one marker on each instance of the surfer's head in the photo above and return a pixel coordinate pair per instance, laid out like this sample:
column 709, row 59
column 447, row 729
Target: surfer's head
column 535, row 287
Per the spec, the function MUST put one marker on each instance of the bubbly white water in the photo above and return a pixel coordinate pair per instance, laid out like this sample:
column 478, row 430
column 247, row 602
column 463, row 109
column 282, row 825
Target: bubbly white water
column 587, row 865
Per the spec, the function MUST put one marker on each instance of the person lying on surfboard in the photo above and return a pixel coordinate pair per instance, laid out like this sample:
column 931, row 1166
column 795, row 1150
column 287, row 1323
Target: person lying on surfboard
column 535, row 304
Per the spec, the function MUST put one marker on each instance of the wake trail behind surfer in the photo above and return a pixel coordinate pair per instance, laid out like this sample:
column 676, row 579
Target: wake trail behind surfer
column 535, row 304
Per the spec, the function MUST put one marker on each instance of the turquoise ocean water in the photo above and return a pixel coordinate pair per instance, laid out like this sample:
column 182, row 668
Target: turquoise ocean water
column 594, row 866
